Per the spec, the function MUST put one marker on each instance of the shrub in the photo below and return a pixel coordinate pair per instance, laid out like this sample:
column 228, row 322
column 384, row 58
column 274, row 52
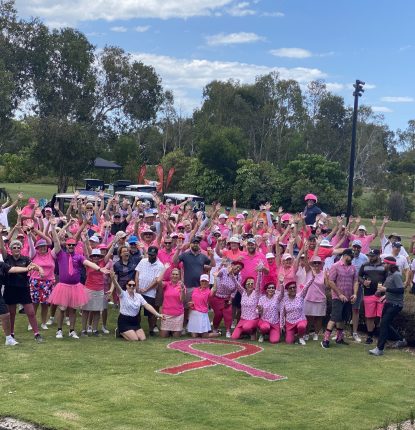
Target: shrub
column 405, row 320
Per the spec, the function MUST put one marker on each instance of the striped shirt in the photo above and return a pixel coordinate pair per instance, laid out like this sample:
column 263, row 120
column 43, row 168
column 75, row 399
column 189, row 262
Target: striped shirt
column 344, row 277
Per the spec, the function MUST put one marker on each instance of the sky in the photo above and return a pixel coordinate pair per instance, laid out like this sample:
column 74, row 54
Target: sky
column 192, row 42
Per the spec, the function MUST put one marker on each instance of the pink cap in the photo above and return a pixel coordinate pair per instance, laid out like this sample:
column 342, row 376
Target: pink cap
column 310, row 197
column 286, row 217
column 32, row 201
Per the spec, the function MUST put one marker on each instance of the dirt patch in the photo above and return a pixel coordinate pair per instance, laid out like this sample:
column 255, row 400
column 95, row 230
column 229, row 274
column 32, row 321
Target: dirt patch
column 67, row 415
column 13, row 424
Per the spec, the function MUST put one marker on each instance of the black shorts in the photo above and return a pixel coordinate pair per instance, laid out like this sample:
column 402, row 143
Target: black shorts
column 126, row 323
column 236, row 301
column 13, row 295
column 340, row 311
column 3, row 307
column 151, row 301
column 359, row 298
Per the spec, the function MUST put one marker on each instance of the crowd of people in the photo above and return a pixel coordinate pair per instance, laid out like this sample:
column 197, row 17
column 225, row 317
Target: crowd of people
column 267, row 275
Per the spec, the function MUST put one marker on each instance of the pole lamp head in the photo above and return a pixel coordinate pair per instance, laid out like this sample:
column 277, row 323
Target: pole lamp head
column 358, row 88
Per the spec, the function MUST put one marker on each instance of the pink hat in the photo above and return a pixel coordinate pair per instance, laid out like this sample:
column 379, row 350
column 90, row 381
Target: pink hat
column 315, row 259
column 204, row 278
column 48, row 209
column 286, row 217
column 32, row 201
column 240, row 216
column 180, row 225
column 41, row 242
column 310, row 197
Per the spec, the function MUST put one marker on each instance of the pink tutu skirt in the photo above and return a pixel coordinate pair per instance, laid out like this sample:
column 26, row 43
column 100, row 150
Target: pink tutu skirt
column 69, row 295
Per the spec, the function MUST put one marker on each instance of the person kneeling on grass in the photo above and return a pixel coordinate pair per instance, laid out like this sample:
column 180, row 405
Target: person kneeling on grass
column 199, row 324
column 293, row 319
column 269, row 311
column 174, row 295
column 248, row 323
column 130, row 305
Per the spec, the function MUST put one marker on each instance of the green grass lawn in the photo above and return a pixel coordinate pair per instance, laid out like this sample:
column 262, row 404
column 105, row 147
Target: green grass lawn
column 107, row 383
column 37, row 191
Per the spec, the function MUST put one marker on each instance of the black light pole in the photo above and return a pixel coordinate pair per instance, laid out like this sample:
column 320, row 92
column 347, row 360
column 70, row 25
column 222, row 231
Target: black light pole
column 357, row 93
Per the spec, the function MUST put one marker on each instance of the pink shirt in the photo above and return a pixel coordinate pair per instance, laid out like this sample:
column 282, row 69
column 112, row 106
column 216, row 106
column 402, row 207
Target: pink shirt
column 292, row 310
column 250, row 264
column 270, row 308
column 200, row 299
column 249, row 304
column 172, row 305
column 167, row 257
column 47, row 263
column 366, row 240
column 317, row 290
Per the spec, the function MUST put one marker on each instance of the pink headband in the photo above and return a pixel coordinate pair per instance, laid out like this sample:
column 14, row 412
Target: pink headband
column 389, row 262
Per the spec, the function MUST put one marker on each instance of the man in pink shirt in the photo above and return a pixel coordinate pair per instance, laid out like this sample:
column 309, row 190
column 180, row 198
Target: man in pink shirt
column 253, row 261
column 165, row 255
column 364, row 238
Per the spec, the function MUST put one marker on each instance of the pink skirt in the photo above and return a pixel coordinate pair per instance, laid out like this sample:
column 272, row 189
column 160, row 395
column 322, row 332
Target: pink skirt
column 69, row 295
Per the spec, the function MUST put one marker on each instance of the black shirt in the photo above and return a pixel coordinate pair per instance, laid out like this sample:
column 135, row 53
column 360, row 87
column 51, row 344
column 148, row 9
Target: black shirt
column 121, row 226
column 193, row 265
column 19, row 280
column 375, row 273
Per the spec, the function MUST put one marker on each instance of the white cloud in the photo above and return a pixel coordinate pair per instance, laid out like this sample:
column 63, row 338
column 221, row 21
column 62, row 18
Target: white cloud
column 334, row 87
column 397, row 99
column 119, row 29
column 187, row 77
column 273, row 14
column 73, row 11
column 382, row 109
column 291, row 53
column 142, row 28
column 233, row 38
column 241, row 9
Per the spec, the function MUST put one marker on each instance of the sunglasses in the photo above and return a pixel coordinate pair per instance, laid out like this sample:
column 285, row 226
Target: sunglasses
column 249, row 284
column 167, row 243
column 70, row 244
column 291, row 288
column 271, row 287
column 130, row 285
column 16, row 247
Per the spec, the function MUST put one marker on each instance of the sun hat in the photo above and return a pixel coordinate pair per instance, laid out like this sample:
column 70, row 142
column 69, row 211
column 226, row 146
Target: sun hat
column 234, row 239
column 326, row 244
column 223, row 216
column 362, row 227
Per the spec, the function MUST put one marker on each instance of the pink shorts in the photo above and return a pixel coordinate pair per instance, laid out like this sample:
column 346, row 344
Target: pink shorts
column 373, row 307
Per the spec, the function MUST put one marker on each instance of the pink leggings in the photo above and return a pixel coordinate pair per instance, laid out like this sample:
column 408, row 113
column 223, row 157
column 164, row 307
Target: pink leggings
column 273, row 329
column 221, row 310
column 292, row 329
column 30, row 313
column 244, row 326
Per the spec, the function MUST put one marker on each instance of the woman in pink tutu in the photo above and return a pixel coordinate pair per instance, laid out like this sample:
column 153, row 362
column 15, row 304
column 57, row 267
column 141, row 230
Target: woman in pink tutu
column 69, row 293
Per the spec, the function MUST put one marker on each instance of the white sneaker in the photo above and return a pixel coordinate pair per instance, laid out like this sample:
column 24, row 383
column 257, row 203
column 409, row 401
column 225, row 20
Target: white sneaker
column 73, row 334
column 306, row 337
column 261, row 338
column 29, row 327
column 10, row 341
column 356, row 337
column 228, row 334
column 233, row 325
column 105, row 330
column 50, row 321
column 334, row 337
column 59, row 334
column 44, row 326
column 301, row 341
column 156, row 329
column 184, row 332
column 376, row 351
column 67, row 321
column 89, row 330
column 315, row 336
